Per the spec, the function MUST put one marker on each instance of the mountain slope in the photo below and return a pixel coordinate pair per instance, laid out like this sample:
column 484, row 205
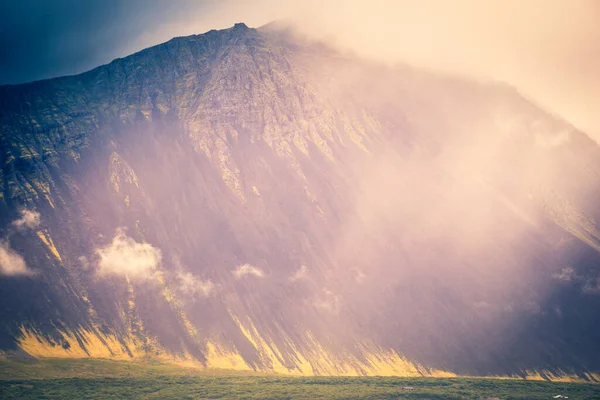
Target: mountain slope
column 248, row 199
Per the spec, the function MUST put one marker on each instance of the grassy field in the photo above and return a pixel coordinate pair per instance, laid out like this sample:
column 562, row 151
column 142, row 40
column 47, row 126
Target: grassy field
column 104, row 379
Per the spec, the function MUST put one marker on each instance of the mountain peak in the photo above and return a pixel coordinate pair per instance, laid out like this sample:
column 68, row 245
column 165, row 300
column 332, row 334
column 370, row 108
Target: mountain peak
column 240, row 26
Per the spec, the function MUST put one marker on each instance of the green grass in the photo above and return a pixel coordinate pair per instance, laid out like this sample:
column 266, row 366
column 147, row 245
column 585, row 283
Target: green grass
column 104, row 379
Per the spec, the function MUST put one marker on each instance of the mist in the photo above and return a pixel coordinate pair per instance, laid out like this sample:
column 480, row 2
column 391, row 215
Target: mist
column 359, row 201
column 547, row 49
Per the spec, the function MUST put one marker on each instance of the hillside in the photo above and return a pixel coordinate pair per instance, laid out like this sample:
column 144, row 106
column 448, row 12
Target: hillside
column 248, row 199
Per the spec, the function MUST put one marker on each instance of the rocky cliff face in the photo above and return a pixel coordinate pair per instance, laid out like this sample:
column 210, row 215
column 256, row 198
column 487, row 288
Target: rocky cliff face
column 247, row 199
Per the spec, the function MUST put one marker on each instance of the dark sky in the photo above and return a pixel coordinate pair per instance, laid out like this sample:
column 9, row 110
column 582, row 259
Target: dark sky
column 48, row 38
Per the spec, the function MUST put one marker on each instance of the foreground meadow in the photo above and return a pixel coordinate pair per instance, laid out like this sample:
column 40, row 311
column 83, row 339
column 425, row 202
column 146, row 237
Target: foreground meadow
column 103, row 379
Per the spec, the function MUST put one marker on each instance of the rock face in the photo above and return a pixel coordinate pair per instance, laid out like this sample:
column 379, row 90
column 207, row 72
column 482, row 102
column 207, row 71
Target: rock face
column 249, row 199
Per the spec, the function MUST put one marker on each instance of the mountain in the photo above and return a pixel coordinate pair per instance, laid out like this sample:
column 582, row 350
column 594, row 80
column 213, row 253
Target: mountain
column 251, row 199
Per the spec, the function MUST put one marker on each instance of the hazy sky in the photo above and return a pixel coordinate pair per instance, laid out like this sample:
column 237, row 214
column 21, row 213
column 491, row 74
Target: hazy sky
column 549, row 49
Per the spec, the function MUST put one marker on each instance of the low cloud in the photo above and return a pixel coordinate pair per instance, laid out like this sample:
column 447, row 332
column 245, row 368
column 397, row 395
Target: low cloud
column 11, row 263
column 588, row 284
column 29, row 219
column 246, row 270
column 560, row 139
column 83, row 261
column 192, row 286
column 124, row 256
column 565, row 275
column 301, row 273
column 328, row 301
column 358, row 275
column 592, row 285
